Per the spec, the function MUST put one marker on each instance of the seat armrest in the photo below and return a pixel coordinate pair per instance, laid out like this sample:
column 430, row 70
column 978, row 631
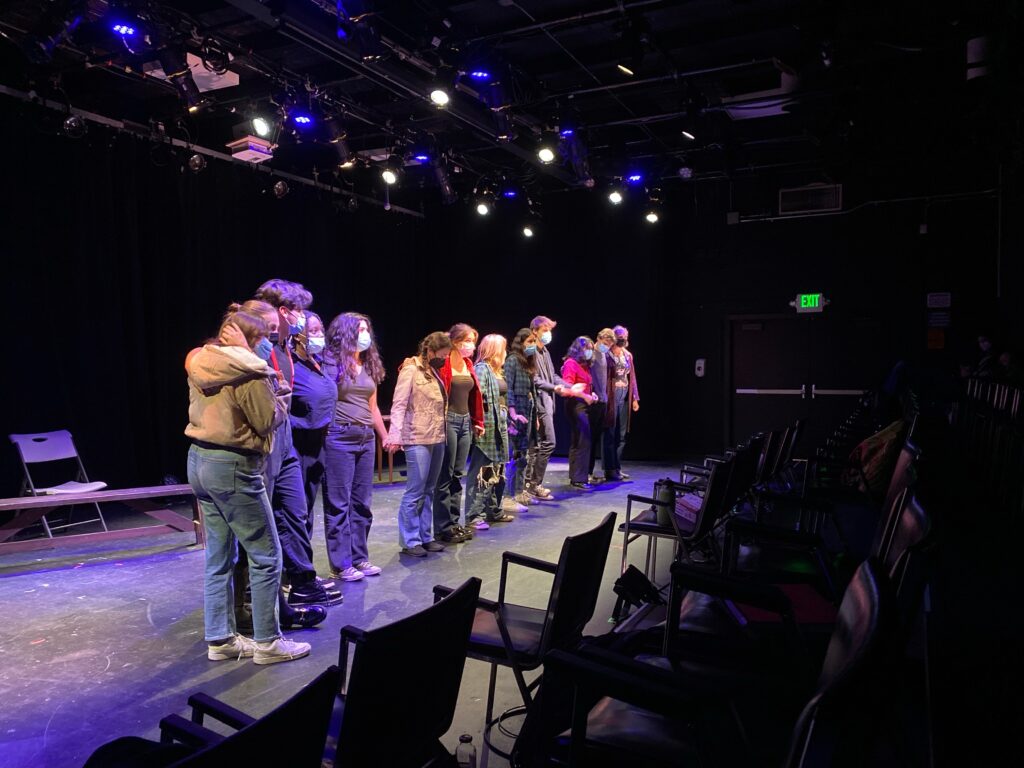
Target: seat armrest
column 524, row 560
column 203, row 704
column 441, row 592
column 528, row 562
column 177, row 728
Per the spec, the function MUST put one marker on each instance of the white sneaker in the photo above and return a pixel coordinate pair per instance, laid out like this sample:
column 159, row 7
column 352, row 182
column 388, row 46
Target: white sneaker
column 279, row 650
column 480, row 524
column 367, row 568
column 351, row 574
column 238, row 647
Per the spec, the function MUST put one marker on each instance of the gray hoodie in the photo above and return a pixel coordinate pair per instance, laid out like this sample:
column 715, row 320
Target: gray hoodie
column 233, row 400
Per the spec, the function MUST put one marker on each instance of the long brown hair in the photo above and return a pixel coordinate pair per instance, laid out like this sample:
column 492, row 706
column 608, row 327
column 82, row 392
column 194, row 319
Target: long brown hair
column 251, row 324
column 518, row 349
column 343, row 343
column 434, row 342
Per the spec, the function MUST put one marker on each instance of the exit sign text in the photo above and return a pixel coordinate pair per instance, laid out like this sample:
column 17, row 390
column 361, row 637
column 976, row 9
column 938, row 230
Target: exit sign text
column 809, row 302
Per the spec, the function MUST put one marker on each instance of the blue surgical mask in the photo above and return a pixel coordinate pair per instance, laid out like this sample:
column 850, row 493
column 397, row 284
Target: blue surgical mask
column 588, row 354
column 530, row 350
column 315, row 344
column 264, row 349
column 545, row 338
column 300, row 323
column 363, row 342
column 602, row 348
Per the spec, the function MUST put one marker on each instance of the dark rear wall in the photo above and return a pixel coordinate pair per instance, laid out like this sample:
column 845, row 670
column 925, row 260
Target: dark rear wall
column 116, row 263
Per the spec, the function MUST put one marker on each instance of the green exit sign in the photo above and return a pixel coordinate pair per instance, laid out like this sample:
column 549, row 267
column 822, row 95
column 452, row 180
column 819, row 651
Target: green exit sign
column 809, row 302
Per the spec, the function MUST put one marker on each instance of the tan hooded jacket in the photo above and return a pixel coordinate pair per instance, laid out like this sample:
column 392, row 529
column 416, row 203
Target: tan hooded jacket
column 233, row 400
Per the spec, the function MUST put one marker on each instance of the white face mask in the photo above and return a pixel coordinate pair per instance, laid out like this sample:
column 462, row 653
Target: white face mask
column 315, row 344
column 467, row 349
column 363, row 341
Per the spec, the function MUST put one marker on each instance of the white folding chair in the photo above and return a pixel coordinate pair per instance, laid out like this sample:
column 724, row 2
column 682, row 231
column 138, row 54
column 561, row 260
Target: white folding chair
column 44, row 447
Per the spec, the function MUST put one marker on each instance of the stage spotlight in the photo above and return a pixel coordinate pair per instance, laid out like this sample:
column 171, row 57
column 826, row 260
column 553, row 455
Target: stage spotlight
column 651, row 216
column 485, row 196
column 392, row 171
column 196, row 163
column 634, row 178
column 527, row 230
column 175, row 66
column 615, row 197
column 337, row 136
column 444, row 183
column 75, row 126
column 440, row 97
column 685, row 172
column 480, row 74
column 301, row 119
column 546, row 154
column 625, row 70
column 688, row 136
column 280, row 189
column 125, row 30
column 261, row 126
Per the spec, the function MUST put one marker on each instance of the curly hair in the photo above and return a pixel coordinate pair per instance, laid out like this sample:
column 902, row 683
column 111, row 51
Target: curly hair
column 342, row 344
column 518, row 348
column 284, row 293
column 579, row 345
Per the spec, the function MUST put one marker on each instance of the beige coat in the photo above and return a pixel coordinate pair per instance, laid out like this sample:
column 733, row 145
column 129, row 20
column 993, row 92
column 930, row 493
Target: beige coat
column 233, row 400
column 419, row 405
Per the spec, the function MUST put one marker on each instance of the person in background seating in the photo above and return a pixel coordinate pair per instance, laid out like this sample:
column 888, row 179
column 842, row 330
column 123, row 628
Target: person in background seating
column 624, row 399
column 579, row 410
column 464, row 420
column 418, row 427
column 350, row 448
column 234, row 411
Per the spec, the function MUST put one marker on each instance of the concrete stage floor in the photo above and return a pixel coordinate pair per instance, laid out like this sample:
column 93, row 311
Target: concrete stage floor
column 103, row 642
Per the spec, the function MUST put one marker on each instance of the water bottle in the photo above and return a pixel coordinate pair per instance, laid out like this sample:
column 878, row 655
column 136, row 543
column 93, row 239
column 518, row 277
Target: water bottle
column 465, row 754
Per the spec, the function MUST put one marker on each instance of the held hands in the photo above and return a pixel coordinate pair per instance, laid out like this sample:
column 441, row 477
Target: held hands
column 232, row 336
column 478, row 430
column 392, row 448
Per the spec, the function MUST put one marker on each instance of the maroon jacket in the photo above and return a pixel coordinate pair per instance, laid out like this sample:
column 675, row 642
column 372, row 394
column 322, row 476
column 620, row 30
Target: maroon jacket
column 476, row 400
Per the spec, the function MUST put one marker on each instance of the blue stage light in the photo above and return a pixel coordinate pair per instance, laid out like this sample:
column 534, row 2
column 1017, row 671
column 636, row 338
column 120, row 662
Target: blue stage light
column 422, row 158
column 124, row 29
column 635, row 178
column 480, row 74
column 301, row 119
column 565, row 133
column 509, row 193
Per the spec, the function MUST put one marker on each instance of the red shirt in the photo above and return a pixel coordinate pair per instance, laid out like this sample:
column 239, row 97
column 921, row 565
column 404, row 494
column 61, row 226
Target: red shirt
column 574, row 373
column 476, row 401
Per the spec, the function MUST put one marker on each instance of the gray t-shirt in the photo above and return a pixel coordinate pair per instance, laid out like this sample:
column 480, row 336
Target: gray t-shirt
column 354, row 400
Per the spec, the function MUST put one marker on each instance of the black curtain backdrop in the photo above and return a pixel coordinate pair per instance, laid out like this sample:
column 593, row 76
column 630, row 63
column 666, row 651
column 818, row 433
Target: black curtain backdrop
column 117, row 262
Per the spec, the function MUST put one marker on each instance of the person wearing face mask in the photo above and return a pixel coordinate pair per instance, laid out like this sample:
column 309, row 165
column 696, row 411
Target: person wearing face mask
column 465, row 418
column 234, row 412
column 600, row 411
column 313, row 400
column 489, row 451
column 623, row 401
column 548, row 384
column 284, row 469
column 418, row 428
column 579, row 411
column 520, row 367
column 354, row 363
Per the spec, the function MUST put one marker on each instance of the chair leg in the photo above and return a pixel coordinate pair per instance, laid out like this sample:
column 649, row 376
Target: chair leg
column 100, row 513
column 46, row 527
column 490, row 695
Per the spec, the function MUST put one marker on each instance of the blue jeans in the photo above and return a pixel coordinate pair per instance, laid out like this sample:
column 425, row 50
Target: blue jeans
column 448, row 496
column 422, row 467
column 615, row 436
column 484, row 502
column 236, row 510
column 349, row 454
column 283, row 476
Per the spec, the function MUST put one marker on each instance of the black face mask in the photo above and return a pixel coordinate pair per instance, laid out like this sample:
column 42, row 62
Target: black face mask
column 437, row 363
column 273, row 337
column 620, row 342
